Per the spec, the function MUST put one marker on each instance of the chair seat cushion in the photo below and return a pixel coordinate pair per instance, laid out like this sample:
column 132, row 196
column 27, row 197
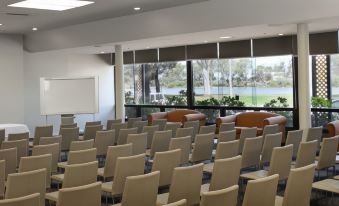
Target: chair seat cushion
column 208, row 167
column 52, row 196
column 107, row 187
column 101, row 172
column 162, row 199
column 328, row 185
column 58, row 177
column 255, row 175
column 62, row 164
column 204, row 188
column 278, row 200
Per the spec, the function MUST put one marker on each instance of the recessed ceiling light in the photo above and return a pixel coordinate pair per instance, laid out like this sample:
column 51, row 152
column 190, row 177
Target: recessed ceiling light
column 56, row 5
column 35, row 29
column 148, row 47
column 137, row 8
column 0, row 24
column 281, row 34
column 102, row 52
column 205, row 41
column 225, row 37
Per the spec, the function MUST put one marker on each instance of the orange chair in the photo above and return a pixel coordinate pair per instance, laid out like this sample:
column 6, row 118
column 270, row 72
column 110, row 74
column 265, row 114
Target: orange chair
column 333, row 129
column 179, row 115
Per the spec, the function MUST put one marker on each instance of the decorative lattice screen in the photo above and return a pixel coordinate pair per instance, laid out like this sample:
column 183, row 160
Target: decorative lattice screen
column 321, row 76
column 138, row 85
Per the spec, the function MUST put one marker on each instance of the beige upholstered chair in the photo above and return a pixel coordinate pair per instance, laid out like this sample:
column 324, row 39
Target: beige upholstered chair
column 18, row 136
column 161, row 123
column 207, row 129
column 73, row 125
column 78, row 157
column 270, row 141
column 298, row 188
column 91, row 131
column 117, row 127
column 67, row 119
column 2, row 177
column 294, row 138
column 328, row 152
column 104, row 139
column 227, row 136
column 184, row 144
column 150, row 130
column 195, row 125
column 35, row 163
column 122, row 138
column 81, row 145
column 52, row 149
column 165, row 162
column 93, row 123
column 225, row 127
column 42, row 131
column 270, row 129
column 10, row 156
column 113, row 152
column 261, row 191
column 244, row 134
column 51, row 140
column 112, row 121
column 29, row 200
column 131, row 121
column 86, row 195
column 314, row 133
column 139, row 143
column 173, row 126
column 203, row 148
column 251, row 152
column 227, row 196
column 160, row 142
column 306, row 153
column 68, row 135
column 140, row 125
column 21, row 145
column 186, row 183
column 147, row 185
column 184, row 132
column 178, row 203
column 2, row 135
column 26, row 183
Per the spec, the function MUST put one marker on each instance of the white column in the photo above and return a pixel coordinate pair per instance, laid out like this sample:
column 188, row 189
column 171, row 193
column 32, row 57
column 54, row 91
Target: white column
column 119, row 83
column 304, row 76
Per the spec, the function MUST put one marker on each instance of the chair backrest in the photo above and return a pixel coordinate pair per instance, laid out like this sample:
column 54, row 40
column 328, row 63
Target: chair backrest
column 207, row 129
column 42, row 131
column 93, row 123
column 113, row 152
column 140, row 125
column 185, row 184
column 328, row 152
column 67, row 120
column 86, row 195
column 314, row 133
column 131, row 121
column 125, row 167
column 224, row 127
column 139, row 143
column 227, row 149
column 21, row 145
column 244, row 134
column 165, row 162
column 195, row 124
column 2, row 135
column 10, row 156
column 82, row 156
column 18, row 136
column 112, row 121
column 161, row 141
column 281, row 161
column 306, row 153
column 51, row 140
column 68, row 126
column 2, row 177
column 270, row 129
column 178, row 203
column 184, row 144
column 184, row 132
column 150, row 130
column 299, row 186
column 203, row 147
column 261, row 191
column 160, row 122
column 26, row 183
column 81, row 145
column 122, row 138
column 251, row 152
column 227, row 196
column 225, row 173
column 146, row 184
column 52, row 149
column 294, row 138
column 68, row 135
column 270, row 141
column 80, row 174
column 227, row 136
column 29, row 200
column 104, row 139
column 173, row 126
column 91, row 131
column 117, row 127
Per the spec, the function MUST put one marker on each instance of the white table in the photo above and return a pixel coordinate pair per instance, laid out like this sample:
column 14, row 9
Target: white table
column 14, row 128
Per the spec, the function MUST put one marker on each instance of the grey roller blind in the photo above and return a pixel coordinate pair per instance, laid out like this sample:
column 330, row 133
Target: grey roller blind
column 106, row 58
column 172, row 54
column 324, row 43
column 273, row 46
column 128, row 57
column 235, row 49
column 202, row 51
column 145, row 56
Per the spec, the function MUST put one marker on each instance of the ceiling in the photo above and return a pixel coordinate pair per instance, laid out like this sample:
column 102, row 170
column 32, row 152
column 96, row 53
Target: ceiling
column 21, row 20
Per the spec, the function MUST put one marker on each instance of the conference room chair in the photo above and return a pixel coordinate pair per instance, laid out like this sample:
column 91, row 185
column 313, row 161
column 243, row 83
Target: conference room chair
column 122, row 138
column 93, row 123
column 270, row 141
column 139, row 143
column 29, row 200
column 160, row 142
column 227, row 196
column 328, row 186
column 244, row 134
column 177, row 203
column 78, row 157
column 125, row 167
column 113, row 152
column 104, row 139
column 67, row 119
column 184, row 132
column 314, row 133
column 18, row 136
column 51, row 140
column 81, row 145
column 327, row 155
column 68, row 125
column 161, row 123
column 225, row 127
column 42, row 131
column 185, row 184
column 251, row 152
column 2, row 177
column 195, row 125
column 68, row 135
column 150, row 130
column 10, row 156
column 227, row 136
column 184, row 144
column 112, row 121
column 146, row 184
column 86, row 195
column 270, row 129
column 90, row 131
column 207, row 129
column 165, row 162
column 117, row 127
column 298, row 188
column 203, row 147
column 52, row 149
column 261, row 191
column 131, row 121
column 74, row 176
column 294, row 137
column 20, row 184
column 280, row 164
column 2, row 135
column 140, row 125
column 173, row 126
column 35, row 163
column 306, row 154
column 21, row 145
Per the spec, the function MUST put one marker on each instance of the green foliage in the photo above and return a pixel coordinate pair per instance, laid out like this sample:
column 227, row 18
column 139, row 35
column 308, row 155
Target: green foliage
column 231, row 102
column 129, row 98
column 279, row 102
column 320, row 102
column 176, row 100
column 208, row 102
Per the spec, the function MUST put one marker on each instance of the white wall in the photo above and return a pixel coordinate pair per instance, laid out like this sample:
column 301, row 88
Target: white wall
column 11, row 79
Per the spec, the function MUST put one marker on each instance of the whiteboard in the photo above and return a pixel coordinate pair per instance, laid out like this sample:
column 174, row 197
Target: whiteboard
column 69, row 95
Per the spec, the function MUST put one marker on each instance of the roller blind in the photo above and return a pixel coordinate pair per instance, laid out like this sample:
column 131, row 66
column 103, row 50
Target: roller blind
column 145, row 56
column 172, row 54
column 235, row 49
column 128, row 58
column 202, row 51
column 324, row 43
column 273, row 46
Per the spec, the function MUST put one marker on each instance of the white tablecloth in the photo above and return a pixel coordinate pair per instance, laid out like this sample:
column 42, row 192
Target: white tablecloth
column 14, row 128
